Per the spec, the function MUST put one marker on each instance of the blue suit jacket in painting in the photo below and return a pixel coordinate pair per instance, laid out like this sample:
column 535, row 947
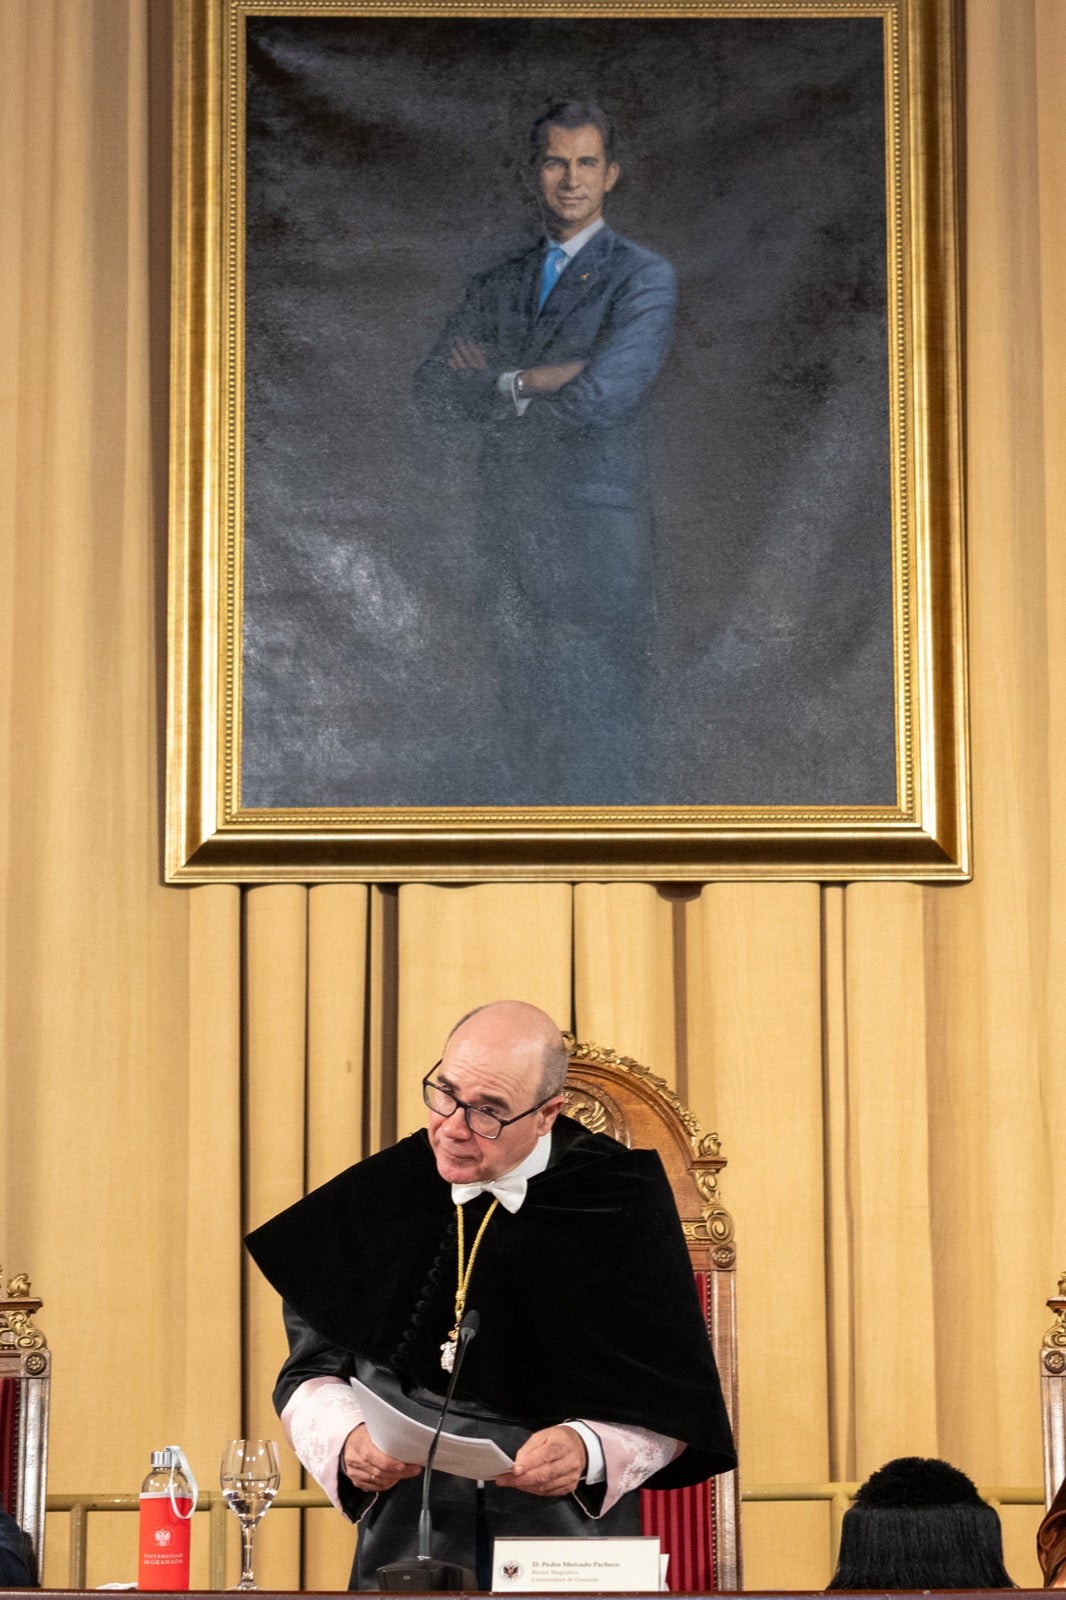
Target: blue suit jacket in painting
column 564, row 511
column 614, row 308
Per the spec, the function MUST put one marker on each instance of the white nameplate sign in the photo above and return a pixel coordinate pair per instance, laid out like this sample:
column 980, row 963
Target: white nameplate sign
column 614, row 1565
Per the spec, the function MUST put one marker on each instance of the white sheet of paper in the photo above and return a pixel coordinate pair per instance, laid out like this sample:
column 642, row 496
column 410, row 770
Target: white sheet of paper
column 525, row 1565
column 408, row 1440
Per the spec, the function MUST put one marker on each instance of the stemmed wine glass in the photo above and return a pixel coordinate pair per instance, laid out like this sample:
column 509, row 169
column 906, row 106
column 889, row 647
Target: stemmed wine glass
column 250, row 1479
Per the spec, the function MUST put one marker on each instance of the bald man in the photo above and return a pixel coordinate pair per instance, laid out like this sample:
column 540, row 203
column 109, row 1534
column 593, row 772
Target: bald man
column 592, row 1368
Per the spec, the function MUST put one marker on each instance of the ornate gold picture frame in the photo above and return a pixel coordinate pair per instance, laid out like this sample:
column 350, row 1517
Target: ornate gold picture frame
column 776, row 687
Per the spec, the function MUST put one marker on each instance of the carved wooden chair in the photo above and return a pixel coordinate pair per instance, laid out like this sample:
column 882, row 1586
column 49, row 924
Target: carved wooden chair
column 25, row 1377
column 698, row 1526
column 1053, row 1395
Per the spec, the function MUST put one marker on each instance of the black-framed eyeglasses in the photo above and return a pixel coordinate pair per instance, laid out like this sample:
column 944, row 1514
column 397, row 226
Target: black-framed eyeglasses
column 486, row 1124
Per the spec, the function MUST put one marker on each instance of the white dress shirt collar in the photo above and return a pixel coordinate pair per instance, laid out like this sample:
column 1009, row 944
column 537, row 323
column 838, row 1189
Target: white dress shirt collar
column 510, row 1188
column 572, row 246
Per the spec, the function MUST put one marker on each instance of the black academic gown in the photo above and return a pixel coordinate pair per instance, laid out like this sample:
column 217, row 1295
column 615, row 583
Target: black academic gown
column 14, row 1554
column 588, row 1309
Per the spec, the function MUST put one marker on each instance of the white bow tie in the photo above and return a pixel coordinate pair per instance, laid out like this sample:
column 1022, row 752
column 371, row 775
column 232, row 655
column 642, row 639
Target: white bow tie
column 510, row 1191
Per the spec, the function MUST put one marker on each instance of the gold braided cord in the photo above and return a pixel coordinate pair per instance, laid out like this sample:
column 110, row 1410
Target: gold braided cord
column 463, row 1275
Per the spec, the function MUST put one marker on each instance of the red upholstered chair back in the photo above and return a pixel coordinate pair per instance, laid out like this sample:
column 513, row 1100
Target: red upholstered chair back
column 25, row 1376
column 700, row 1526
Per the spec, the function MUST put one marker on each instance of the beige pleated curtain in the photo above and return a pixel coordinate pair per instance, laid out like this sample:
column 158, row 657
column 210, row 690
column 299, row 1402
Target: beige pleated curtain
column 884, row 1063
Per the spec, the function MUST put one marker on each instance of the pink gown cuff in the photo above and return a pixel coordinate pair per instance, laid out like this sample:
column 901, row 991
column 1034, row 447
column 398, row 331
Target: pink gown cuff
column 322, row 1412
column 630, row 1456
column 319, row 1416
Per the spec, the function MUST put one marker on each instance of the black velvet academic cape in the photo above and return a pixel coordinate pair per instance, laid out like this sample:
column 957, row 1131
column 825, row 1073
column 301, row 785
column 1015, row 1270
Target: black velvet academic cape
column 586, row 1296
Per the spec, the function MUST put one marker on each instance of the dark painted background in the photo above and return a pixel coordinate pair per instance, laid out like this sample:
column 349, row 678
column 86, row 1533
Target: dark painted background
column 385, row 165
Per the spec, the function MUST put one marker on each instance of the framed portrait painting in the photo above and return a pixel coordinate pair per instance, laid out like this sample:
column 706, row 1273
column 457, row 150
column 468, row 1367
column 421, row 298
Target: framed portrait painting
column 566, row 442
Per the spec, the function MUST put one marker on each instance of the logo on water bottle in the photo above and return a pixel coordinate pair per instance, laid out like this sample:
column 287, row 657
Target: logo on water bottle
column 162, row 1536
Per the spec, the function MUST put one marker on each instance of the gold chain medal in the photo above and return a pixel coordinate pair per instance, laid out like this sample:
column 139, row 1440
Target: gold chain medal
column 447, row 1349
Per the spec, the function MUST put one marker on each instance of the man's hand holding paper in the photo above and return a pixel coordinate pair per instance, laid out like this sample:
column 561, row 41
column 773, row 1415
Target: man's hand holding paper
column 371, row 1469
column 401, row 1442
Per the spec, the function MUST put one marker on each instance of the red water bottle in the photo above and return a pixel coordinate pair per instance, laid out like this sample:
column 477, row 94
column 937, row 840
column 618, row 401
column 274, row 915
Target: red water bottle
column 168, row 1500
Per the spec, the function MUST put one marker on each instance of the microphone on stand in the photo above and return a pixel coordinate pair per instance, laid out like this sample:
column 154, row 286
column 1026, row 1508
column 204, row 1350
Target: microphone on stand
column 423, row 1573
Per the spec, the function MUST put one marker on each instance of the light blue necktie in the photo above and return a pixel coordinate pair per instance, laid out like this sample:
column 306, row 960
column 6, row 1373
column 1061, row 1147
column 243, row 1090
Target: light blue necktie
column 551, row 271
